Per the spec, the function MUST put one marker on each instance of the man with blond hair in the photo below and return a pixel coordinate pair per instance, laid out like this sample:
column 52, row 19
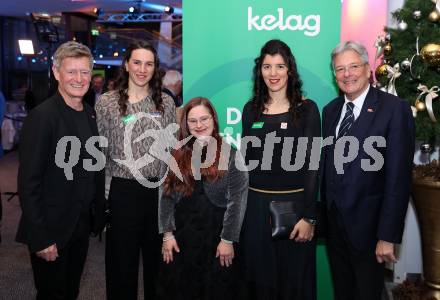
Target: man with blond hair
column 60, row 212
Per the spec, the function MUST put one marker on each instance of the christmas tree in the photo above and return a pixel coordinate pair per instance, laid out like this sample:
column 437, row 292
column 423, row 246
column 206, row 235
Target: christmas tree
column 411, row 63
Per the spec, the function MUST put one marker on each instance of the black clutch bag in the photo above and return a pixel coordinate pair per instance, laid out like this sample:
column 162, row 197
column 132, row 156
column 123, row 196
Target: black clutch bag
column 283, row 217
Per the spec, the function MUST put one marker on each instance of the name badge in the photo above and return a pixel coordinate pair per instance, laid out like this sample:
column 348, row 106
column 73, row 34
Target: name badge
column 128, row 118
column 257, row 125
column 155, row 114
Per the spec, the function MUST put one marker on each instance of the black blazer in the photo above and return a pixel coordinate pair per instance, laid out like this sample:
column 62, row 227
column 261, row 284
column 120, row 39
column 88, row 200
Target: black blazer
column 49, row 211
column 177, row 100
column 372, row 204
column 90, row 97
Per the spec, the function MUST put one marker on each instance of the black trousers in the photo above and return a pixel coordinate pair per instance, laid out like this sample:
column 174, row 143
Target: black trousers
column 133, row 230
column 356, row 275
column 60, row 279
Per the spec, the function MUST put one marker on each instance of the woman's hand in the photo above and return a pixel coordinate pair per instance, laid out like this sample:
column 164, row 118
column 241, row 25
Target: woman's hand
column 302, row 232
column 168, row 245
column 226, row 253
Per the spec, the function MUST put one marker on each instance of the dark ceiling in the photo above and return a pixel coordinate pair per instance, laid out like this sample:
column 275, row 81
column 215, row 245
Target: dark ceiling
column 20, row 8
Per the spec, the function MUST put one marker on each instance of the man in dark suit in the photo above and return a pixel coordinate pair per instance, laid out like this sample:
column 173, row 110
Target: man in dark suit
column 59, row 213
column 367, row 193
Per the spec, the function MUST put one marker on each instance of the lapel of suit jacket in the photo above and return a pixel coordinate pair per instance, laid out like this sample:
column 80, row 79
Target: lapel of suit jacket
column 91, row 117
column 366, row 117
column 334, row 115
column 62, row 108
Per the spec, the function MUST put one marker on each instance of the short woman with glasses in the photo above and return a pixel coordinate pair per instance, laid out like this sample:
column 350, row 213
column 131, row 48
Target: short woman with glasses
column 201, row 211
column 279, row 116
column 123, row 116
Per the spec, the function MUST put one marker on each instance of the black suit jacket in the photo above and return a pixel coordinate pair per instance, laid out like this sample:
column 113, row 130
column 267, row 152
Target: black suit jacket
column 49, row 211
column 372, row 204
column 90, row 97
column 177, row 100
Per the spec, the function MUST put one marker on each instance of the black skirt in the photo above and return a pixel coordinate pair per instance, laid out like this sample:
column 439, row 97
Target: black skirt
column 195, row 273
column 275, row 270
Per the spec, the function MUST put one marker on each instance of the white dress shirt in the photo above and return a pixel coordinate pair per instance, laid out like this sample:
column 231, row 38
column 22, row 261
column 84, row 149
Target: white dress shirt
column 358, row 103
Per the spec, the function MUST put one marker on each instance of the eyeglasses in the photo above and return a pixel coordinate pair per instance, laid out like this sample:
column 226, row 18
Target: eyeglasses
column 353, row 68
column 203, row 120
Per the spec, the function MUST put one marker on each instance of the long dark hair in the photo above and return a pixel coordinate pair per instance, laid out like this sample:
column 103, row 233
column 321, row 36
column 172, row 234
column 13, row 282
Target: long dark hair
column 260, row 95
column 183, row 156
column 155, row 84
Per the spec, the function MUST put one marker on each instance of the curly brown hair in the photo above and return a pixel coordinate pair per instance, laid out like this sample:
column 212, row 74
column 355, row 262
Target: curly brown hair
column 260, row 95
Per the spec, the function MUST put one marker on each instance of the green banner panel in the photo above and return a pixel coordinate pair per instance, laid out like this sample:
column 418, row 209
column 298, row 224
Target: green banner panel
column 221, row 39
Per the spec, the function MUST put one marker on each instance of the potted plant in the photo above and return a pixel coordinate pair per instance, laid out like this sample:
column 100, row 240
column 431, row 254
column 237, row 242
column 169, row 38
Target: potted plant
column 426, row 198
column 410, row 68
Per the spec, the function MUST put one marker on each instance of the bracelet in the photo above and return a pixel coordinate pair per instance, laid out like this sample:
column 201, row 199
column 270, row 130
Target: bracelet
column 227, row 242
column 168, row 237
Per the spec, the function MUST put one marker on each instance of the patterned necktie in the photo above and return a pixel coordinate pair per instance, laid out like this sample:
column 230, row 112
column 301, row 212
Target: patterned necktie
column 347, row 121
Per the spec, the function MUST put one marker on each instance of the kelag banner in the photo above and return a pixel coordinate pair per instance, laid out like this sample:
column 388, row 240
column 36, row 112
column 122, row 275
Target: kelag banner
column 221, row 39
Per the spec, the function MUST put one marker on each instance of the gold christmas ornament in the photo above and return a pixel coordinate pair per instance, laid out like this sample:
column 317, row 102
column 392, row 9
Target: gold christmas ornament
column 434, row 16
column 382, row 73
column 420, row 105
column 387, row 49
column 431, row 54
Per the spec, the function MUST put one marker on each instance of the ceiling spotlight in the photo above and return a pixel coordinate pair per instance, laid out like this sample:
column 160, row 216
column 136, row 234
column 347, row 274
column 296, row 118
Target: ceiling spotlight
column 131, row 9
column 168, row 9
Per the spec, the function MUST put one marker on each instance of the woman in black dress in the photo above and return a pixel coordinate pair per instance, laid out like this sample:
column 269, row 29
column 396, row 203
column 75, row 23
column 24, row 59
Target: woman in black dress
column 200, row 215
column 278, row 114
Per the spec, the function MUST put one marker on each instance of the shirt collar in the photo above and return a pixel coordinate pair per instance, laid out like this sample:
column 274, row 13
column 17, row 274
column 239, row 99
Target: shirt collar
column 359, row 101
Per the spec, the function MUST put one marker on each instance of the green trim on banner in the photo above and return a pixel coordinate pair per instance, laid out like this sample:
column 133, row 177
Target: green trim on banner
column 221, row 39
